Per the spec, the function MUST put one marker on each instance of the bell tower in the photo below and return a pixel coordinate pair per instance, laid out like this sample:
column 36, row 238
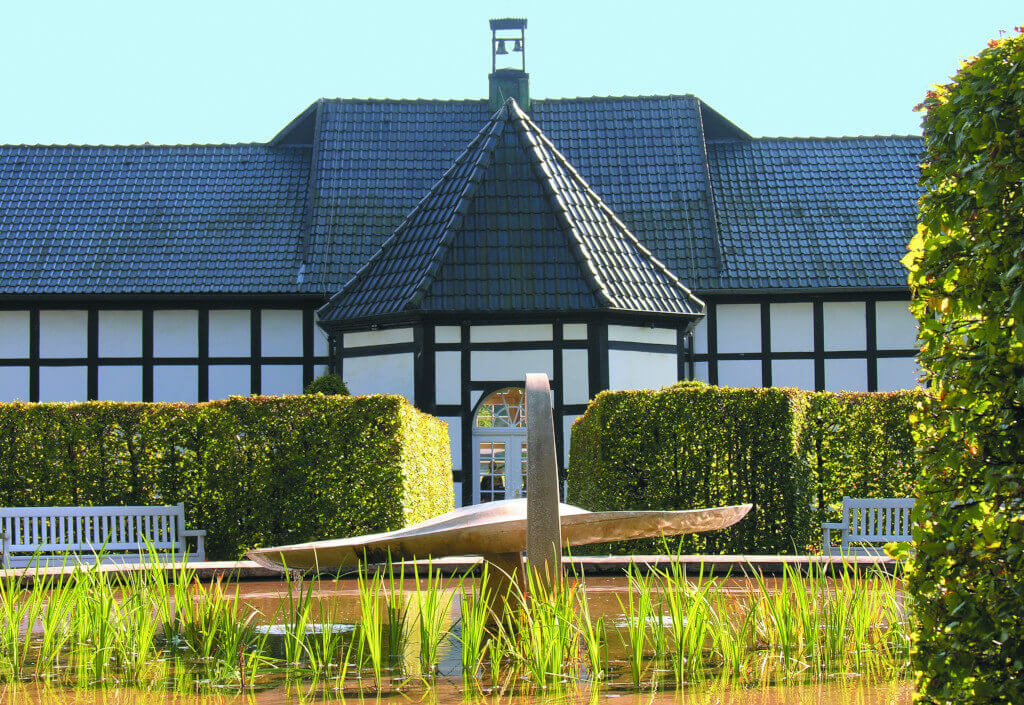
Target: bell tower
column 508, row 38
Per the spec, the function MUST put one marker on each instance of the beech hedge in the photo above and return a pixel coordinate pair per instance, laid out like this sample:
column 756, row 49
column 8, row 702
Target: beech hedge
column 252, row 471
column 792, row 454
column 967, row 276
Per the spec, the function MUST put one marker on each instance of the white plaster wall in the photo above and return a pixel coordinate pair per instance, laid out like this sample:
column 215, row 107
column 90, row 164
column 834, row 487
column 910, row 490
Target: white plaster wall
column 895, row 326
column 447, row 334
column 740, row 373
column 63, row 384
column 321, row 341
column 846, row 375
column 14, row 334
column 448, row 377
column 229, row 380
column 574, row 331
column 381, row 374
column 844, row 325
column 700, row 371
column 13, row 384
column 279, row 380
column 63, row 334
column 120, row 334
column 640, row 370
column 388, row 336
column 457, row 489
column 500, row 334
column 474, row 396
column 119, row 383
column 792, row 327
column 642, row 334
column 175, row 383
column 793, row 373
column 739, row 328
column 488, row 365
column 175, row 334
column 230, row 333
column 280, row 333
column 895, row 373
column 700, row 337
column 575, row 377
column 455, row 439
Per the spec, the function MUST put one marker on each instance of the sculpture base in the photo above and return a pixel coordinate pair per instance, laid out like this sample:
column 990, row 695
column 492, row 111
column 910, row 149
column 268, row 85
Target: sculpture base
column 506, row 583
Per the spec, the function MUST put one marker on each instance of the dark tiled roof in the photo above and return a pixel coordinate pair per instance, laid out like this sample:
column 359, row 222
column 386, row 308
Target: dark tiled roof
column 234, row 218
column 144, row 219
column 815, row 213
column 511, row 226
column 644, row 155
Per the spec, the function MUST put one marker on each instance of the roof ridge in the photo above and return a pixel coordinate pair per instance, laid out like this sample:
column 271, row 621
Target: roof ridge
column 144, row 145
column 608, row 212
column 819, row 138
column 643, row 96
column 392, row 239
column 496, row 127
column 576, row 246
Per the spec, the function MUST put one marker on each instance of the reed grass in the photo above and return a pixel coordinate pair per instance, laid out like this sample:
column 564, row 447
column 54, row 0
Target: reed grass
column 371, row 625
column 162, row 625
column 475, row 609
column 433, row 604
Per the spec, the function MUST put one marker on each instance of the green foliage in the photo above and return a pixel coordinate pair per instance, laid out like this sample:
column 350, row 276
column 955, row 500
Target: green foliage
column 967, row 274
column 859, row 444
column 793, row 454
column 328, row 384
column 252, row 471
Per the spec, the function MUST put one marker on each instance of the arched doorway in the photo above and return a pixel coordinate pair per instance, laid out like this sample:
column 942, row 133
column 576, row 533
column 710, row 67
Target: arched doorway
column 499, row 446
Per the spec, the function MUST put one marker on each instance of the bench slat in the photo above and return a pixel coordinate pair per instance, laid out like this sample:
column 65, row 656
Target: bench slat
column 86, row 531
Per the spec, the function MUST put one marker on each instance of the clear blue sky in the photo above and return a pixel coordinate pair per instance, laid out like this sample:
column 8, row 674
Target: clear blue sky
column 93, row 71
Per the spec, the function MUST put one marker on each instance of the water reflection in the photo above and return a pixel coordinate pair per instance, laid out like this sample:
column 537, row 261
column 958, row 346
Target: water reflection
column 897, row 693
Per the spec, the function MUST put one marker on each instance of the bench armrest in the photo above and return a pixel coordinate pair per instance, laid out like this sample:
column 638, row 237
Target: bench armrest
column 6, row 555
column 200, row 536
column 826, row 539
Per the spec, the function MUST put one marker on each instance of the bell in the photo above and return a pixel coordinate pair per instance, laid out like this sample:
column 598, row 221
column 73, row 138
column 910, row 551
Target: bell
column 518, row 46
column 501, row 47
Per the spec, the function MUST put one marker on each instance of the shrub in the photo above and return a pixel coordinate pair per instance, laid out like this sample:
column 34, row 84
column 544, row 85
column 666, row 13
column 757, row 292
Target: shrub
column 252, row 471
column 693, row 446
column 329, row 384
column 793, row 454
column 967, row 274
column 859, row 444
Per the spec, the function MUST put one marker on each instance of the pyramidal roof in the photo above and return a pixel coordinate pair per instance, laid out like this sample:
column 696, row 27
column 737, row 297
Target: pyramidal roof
column 511, row 226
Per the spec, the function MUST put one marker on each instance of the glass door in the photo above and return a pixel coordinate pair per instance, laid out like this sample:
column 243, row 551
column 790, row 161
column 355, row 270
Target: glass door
column 501, row 468
column 499, row 447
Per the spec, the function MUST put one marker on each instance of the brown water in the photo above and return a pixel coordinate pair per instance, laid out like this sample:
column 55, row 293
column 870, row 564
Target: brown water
column 605, row 596
column 898, row 693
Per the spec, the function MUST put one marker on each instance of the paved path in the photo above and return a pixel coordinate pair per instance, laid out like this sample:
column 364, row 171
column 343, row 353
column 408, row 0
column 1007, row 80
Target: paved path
column 718, row 565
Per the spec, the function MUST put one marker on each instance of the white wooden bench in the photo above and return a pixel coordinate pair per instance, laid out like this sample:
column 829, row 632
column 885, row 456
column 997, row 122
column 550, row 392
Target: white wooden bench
column 869, row 521
column 54, row 536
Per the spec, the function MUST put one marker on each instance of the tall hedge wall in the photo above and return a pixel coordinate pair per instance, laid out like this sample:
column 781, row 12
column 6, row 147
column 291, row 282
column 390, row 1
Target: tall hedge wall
column 793, row 454
column 967, row 275
column 252, row 471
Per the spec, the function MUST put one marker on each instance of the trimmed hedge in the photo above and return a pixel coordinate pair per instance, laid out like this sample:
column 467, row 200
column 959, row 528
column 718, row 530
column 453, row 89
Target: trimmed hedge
column 252, row 471
column 859, row 444
column 793, row 454
column 967, row 275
